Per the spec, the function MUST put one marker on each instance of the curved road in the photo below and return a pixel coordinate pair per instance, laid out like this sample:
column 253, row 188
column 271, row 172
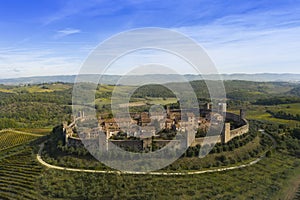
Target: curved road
column 39, row 158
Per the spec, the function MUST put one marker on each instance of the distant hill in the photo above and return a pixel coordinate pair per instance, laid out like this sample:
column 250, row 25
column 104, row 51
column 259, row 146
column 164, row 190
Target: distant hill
column 136, row 79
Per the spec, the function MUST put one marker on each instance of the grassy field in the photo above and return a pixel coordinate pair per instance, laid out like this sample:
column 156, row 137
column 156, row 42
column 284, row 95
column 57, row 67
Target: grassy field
column 288, row 108
column 291, row 190
column 37, row 88
column 161, row 101
column 258, row 112
column 134, row 101
column 6, row 90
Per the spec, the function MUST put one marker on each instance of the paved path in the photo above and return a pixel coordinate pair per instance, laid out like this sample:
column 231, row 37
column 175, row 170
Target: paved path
column 39, row 158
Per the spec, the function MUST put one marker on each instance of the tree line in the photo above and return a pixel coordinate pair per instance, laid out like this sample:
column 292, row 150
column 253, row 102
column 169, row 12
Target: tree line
column 284, row 115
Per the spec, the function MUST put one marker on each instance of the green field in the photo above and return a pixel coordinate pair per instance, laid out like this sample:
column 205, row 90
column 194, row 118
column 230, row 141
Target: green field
column 41, row 88
column 6, row 90
column 259, row 112
column 289, row 108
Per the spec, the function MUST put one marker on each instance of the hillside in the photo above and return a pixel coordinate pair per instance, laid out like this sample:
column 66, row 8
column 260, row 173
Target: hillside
column 46, row 105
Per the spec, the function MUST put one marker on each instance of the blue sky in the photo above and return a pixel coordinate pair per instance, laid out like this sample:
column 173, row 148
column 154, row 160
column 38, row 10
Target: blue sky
column 52, row 37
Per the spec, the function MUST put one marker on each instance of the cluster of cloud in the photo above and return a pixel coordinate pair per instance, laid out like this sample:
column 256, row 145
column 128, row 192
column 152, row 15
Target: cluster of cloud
column 250, row 37
column 36, row 62
column 251, row 43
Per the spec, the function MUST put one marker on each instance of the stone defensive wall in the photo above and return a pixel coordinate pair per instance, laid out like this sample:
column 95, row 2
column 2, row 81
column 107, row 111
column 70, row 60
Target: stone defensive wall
column 241, row 130
column 162, row 143
column 137, row 145
column 236, row 118
column 133, row 145
column 227, row 134
column 209, row 140
column 78, row 142
column 74, row 142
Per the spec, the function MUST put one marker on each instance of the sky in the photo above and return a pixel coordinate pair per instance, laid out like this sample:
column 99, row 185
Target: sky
column 54, row 37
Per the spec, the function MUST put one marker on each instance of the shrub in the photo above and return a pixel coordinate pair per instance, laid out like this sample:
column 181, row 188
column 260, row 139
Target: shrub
column 269, row 154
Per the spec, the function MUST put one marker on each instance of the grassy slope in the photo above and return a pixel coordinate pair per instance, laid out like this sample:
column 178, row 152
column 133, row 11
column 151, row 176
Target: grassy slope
column 291, row 189
column 211, row 158
column 261, row 181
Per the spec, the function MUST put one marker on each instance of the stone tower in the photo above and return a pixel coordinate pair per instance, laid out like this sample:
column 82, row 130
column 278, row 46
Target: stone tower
column 226, row 133
column 190, row 136
column 168, row 112
column 207, row 106
column 222, row 108
column 242, row 114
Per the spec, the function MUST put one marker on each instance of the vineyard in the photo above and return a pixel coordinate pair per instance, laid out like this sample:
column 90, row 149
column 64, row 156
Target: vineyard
column 11, row 138
column 18, row 168
column 18, row 174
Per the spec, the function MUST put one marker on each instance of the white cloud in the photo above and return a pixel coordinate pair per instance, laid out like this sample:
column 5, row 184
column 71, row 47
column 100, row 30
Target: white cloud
column 66, row 32
column 249, row 43
column 36, row 62
column 71, row 8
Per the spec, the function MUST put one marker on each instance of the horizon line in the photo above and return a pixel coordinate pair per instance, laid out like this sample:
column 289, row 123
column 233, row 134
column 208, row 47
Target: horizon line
column 239, row 73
